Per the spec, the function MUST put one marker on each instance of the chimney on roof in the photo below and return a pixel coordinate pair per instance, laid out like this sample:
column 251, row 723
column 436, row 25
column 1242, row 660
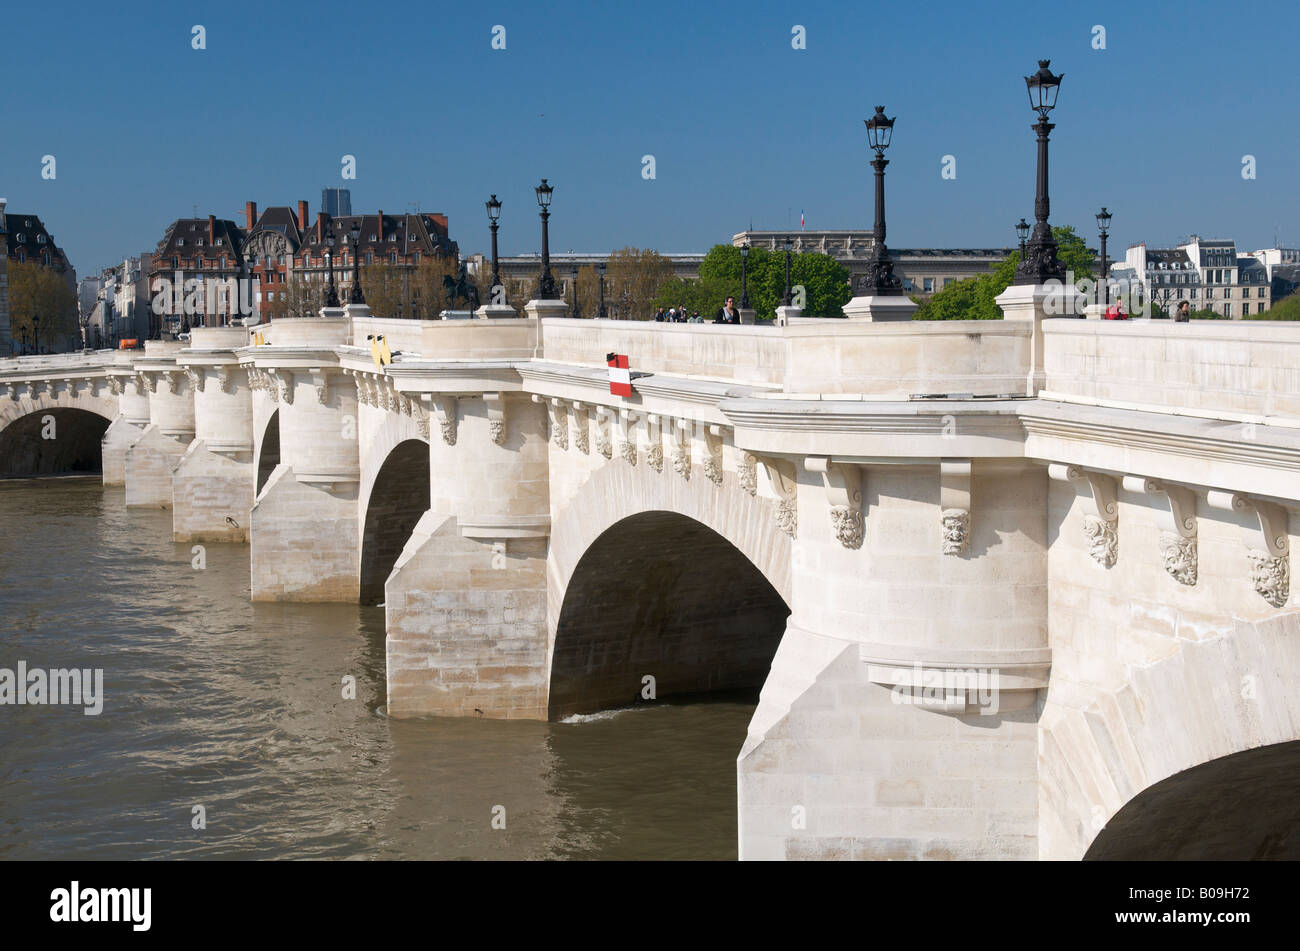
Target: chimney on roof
column 302, row 216
column 320, row 226
column 212, row 228
column 250, row 215
column 381, row 224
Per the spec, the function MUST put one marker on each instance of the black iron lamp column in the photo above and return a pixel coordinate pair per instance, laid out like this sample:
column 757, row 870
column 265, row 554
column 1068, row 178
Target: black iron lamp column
column 355, row 295
column 744, row 277
column 331, row 293
column 36, row 334
column 1022, row 232
column 546, row 284
column 879, row 276
column 600, row 310
column 494, row 214
column 787, row 243
column 1040, row 265
column 577, row 308
column 1103, row 286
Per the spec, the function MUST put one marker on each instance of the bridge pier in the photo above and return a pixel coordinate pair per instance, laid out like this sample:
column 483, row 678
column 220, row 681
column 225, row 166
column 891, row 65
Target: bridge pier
column 466, row 602
column 152, row 459
column 213, row 483
column 126, row 429
column 900, row 716
column 304, row 526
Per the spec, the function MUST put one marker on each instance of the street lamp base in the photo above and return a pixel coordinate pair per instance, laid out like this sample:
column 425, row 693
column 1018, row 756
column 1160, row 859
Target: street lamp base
column 880, row 307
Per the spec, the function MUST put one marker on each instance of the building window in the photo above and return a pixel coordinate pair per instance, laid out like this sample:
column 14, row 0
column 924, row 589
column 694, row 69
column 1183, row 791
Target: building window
column 40, row 239
column 1227, row 310
column 1260, row 292
column 928, row 285
column 909, row 285
column 22, row 238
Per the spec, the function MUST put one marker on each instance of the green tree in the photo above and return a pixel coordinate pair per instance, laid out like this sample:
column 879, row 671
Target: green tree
column 1288, row 308
column 974, row 298
column 824, row 281
column 41, row 301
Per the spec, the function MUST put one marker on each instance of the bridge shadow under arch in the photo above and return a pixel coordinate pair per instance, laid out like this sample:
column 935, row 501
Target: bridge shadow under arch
column 661, row 595
column 1239, row 807
column 53, row 441
column 269, row 457
column 398, row 498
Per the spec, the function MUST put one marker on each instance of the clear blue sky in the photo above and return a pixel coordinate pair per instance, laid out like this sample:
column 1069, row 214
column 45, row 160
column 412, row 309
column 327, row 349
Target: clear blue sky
column 741, row 125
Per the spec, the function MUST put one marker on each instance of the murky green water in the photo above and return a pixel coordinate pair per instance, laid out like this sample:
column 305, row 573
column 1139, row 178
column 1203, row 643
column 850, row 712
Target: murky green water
column 213, row 701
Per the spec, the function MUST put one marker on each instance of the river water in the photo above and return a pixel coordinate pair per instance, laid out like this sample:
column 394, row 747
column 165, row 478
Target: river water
column 212, row 701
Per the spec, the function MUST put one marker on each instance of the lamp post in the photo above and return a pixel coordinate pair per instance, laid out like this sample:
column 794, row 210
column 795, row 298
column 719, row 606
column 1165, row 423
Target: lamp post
column 1103, row 286
column 1022, row 232
column 879, row 277
column 545, row 284
column 36, row 333
column 787, row 243
column 494, row 213
column 1039, row 265
column 331, row 293
column 577, row 308
column 356, row 295
column 600, row 310
column 744, row 277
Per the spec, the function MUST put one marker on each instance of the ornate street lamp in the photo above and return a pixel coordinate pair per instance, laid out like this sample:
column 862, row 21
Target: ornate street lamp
column 494, row 213
column 355, row 295
column 1103, row 286
column 600, row 270
column 1022, row 232
column 1039, row 264
column 577, row 308
column 545, row 284
column 744, row 279
column 879, row 277
column 787, row 243
column 331, row 293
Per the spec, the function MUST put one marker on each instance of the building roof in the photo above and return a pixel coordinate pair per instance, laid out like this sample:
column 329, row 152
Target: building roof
column 27, row 234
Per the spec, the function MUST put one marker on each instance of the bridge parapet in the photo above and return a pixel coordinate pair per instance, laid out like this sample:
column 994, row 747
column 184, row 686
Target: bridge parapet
column 1238, row 368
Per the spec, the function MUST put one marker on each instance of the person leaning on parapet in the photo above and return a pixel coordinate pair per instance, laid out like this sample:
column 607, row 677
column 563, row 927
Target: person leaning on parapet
column 1183, row 313
column 727, row 313
column 1115, row 311
column 660, row 316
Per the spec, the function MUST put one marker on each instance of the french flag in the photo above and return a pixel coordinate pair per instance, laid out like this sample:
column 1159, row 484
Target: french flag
column 620, row 378
column 800, row 219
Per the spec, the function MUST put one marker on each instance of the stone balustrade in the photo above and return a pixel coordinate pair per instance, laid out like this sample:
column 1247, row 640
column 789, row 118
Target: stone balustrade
column 1246, row 368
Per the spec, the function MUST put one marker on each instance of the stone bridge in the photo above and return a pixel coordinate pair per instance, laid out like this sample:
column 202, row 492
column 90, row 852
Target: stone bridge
column 1010, row 589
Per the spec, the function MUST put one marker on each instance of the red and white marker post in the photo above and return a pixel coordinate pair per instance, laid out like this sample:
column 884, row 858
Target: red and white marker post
column 620, row 378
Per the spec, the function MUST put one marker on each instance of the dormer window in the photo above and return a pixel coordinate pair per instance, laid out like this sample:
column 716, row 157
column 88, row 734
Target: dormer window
column 392, row 237
column 40, row 239
column 221, row 241
column 180, row 242
column 22, row 239
column 374, row 237
column 200, row 242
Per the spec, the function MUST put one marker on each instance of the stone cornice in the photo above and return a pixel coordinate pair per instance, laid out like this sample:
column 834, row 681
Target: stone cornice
column 454, row 376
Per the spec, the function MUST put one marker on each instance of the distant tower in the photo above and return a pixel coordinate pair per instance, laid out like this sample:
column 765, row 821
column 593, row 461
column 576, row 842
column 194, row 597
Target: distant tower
column 6, row 335
column 336, row 202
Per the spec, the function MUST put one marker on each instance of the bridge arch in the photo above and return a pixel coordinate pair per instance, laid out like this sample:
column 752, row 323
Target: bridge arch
column 651, row 575
column 1114, row 770
column 397, row 498
column 268, row 451
column 45, row 434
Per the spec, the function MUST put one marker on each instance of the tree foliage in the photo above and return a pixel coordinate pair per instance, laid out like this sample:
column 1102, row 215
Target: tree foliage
column 1288, row 308
column 825, row 283
column 41, row 300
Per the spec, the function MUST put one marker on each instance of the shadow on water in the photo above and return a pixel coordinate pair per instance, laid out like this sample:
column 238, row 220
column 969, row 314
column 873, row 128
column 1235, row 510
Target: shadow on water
column 212, row 701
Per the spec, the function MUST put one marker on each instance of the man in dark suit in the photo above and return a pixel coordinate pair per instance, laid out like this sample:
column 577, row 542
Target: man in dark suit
column 727, row 313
